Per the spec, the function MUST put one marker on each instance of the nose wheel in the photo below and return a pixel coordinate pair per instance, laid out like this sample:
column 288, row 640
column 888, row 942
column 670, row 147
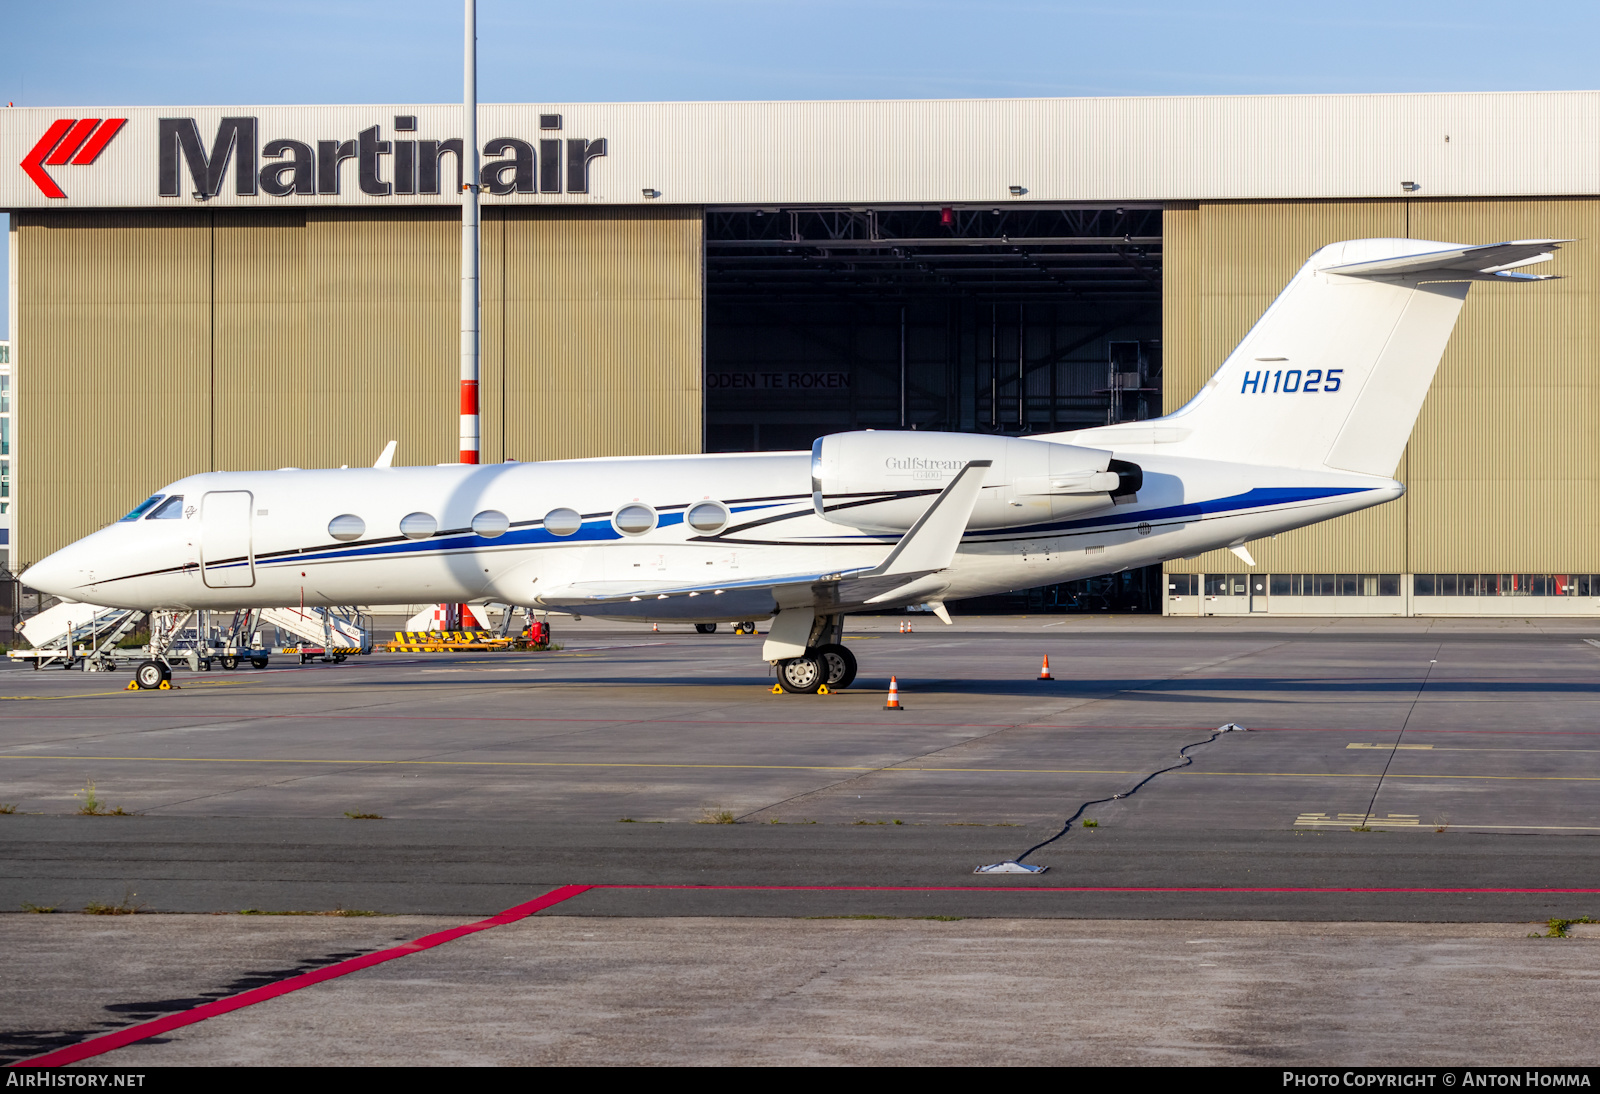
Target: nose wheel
column 150, row 675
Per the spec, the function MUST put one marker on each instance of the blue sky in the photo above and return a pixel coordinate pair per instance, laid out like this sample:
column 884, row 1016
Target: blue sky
column 289, row 51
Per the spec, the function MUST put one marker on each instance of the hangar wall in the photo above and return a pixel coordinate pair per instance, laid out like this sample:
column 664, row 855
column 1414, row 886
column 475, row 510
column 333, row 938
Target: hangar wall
column 1501, row 471
column 156, row 344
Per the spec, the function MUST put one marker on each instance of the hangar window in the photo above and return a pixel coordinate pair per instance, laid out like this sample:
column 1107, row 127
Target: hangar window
column 144, row 507
column 634, row 520
column 491, row 524
column 418, row 525
column 347, row 527
column 708, row 516
column 562, row 522
column 1334, row 585
column 1506, row 585
column 1183, row 584
column 171, row 509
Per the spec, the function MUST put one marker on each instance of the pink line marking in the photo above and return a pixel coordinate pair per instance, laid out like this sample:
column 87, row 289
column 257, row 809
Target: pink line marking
column 96, row 1046
column 1078, row 889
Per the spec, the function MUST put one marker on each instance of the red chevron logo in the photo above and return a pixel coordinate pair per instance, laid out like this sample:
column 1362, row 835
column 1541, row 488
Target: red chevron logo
column 77, row 141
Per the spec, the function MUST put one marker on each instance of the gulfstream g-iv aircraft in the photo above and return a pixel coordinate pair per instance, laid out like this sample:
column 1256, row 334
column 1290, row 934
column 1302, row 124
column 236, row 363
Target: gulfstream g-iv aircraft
column 1304, row 421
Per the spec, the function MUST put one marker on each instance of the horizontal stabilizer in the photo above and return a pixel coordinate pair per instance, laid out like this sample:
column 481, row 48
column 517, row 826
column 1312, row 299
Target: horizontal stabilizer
column 1490, row 262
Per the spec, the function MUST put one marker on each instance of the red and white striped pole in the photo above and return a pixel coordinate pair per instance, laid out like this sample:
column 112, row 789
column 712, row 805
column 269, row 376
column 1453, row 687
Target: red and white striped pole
column 469, row 242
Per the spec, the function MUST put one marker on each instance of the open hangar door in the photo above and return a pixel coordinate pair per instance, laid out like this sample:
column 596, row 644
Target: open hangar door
column 1011, row 320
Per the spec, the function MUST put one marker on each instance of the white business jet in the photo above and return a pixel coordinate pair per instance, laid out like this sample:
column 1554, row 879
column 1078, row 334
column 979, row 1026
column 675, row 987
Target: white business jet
column 1304, row 421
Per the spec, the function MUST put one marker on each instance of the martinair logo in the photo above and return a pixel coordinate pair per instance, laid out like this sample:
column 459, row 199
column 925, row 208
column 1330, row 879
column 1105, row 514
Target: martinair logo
column 75, row 141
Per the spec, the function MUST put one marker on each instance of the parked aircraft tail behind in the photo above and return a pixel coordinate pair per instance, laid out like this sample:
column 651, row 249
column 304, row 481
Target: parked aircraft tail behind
column 1334, row 373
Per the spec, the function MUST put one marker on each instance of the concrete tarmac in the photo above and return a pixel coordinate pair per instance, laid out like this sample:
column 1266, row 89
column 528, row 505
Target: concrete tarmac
column 581, row 990
column 1395, row 770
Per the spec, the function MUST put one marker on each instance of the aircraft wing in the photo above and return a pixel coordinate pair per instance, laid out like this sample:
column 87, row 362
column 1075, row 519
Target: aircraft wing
column 928, row 547
column 756, row 595
column 1490, row 262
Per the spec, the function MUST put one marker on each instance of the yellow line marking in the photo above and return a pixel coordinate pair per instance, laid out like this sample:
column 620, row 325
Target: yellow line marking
column 1463, row 748
column 887, row 769
column 201, row 686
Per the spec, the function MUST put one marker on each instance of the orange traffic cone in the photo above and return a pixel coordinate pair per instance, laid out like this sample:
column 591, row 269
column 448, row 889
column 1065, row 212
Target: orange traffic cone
column 655, row 628
column 894, row 695
column 1044, row 669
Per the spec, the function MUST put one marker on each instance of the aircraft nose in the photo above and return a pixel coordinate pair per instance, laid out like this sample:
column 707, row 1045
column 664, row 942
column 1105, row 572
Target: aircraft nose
column 58, row 574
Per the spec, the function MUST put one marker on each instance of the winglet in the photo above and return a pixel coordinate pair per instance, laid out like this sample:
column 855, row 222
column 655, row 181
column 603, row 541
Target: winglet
column 932, row 541
column 386, row 458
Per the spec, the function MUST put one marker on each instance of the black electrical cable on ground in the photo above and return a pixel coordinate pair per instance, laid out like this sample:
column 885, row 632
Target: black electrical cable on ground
column 1187, row 760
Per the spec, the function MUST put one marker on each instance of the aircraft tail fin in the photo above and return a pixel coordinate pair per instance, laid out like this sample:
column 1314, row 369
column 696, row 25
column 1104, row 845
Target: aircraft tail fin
column 1333, row 375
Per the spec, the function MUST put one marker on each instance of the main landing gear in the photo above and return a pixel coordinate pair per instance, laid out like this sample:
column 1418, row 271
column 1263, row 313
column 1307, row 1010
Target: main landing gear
column 828, row 661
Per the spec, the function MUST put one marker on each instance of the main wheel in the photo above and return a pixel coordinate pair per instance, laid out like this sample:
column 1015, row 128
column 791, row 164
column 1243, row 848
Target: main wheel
column 149, row 675
column 230, row 662
column 801, row 675
column 840, row 663
column 258, row 662
column 706, row 628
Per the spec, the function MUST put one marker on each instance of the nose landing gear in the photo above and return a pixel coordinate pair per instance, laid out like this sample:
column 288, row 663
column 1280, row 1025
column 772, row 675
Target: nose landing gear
column 150, row 675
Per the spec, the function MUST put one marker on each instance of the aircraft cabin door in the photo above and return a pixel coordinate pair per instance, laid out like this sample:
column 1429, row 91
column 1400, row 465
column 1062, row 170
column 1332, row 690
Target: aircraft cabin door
column 227, row 558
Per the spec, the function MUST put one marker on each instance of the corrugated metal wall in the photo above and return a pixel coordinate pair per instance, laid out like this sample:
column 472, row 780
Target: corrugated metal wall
column 1501, row 472
column 602, row 330
column 154, row 345
column 113, row 363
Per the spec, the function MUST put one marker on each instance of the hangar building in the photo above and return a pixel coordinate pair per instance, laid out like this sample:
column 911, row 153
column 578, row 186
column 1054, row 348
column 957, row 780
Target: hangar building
column 237, row 287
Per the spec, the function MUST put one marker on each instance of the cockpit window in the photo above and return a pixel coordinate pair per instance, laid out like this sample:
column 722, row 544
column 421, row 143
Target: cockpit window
column 171, row 509
column 144, row 507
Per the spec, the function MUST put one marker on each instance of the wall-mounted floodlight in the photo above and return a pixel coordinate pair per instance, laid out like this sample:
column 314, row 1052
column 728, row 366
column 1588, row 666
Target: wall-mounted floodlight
column 1018, row 191
column 1411, row 187
column 649, row 193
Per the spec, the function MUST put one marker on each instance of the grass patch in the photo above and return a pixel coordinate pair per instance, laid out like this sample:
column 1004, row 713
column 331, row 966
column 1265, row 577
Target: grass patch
column 1087, row 823
column 337, row 911
column 1557, row 928
column 720, row 816
column 125, row 907
column 91, row 806
column 8, row 807
column 626, row 820
column 38, row 909
column 364, row 816
column 881, row 822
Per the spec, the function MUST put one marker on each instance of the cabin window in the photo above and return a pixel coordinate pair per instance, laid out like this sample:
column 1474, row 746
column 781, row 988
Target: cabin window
column 171, row 509
column 418, row 525
column 491, row 524
column 144, row 507
column 707, row 516
column 634, row 520
column 347, row 527
column 562, row 522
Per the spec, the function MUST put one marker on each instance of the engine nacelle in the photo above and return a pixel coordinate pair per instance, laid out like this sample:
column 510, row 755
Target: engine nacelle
column 883, row 481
